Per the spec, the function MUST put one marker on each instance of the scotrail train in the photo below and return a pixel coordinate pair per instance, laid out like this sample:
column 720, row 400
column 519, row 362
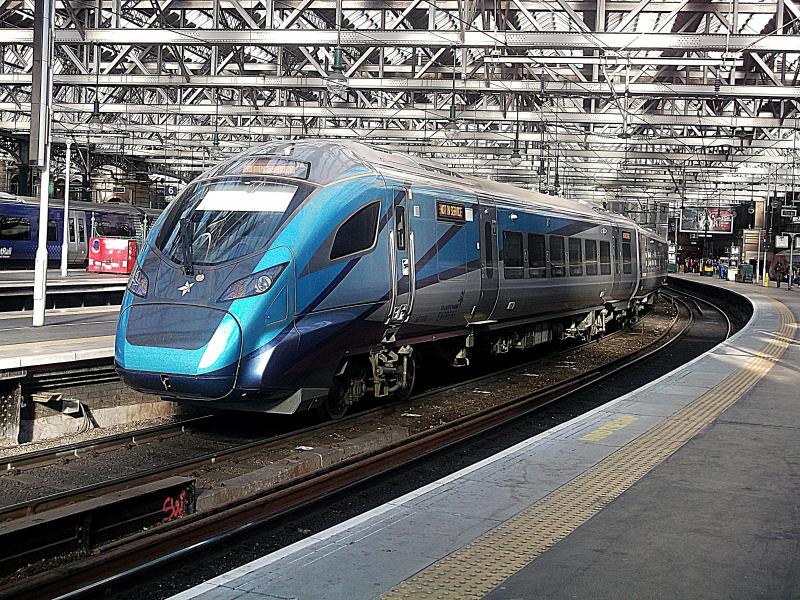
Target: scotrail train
column 311, row 273
column 19, row 228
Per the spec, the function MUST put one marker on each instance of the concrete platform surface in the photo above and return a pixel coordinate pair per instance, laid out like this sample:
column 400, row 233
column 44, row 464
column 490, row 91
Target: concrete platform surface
column 18, row 278
column 685, row 488
column 69, row 334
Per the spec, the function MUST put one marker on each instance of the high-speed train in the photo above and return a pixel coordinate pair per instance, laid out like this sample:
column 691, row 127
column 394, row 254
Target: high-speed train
column 19, row 228
column 307, row 274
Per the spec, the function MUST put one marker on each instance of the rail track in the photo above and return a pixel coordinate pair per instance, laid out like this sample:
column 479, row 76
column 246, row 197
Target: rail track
column 70, row 453
column 123, row 558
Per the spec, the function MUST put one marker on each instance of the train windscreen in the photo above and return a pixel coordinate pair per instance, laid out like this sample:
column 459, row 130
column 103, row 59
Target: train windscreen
column 216, row 221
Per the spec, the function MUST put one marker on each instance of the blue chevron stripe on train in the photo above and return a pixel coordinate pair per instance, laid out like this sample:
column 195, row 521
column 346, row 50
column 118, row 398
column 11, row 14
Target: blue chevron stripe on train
column 312, row 274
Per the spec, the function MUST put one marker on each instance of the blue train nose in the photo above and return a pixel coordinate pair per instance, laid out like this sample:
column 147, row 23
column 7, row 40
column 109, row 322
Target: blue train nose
column 196, row 350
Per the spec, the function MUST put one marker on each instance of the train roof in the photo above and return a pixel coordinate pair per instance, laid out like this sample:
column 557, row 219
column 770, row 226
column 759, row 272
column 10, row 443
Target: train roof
column 332, row 160
column 112, row 207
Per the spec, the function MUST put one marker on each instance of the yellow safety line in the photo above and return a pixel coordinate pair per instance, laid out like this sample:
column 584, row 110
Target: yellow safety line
column 475, row 569
column 46, row 344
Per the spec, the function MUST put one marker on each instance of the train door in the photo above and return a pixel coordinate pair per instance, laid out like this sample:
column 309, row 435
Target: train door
column 401, row 252
column 616, row 268
column 490, row 275
column 72, row 238
column 77, row 230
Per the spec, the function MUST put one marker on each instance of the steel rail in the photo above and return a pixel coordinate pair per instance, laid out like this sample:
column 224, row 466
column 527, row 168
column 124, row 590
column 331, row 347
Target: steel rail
column 48, row 456
column 150, row 549
column 52, row 455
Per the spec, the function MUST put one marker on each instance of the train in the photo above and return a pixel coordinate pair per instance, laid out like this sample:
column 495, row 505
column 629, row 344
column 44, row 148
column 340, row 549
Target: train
column 312, row 274
column 19, row 228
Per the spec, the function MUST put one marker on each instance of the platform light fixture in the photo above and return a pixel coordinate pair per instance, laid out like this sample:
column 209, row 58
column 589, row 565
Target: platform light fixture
column 337, row 81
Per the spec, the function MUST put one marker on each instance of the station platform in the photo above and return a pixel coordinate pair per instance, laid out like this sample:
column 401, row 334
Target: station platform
column 684, row 488
column 20, row 283
column 69, row 334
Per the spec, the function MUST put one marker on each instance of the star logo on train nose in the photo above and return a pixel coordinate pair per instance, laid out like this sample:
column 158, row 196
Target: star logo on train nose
column 185, row 288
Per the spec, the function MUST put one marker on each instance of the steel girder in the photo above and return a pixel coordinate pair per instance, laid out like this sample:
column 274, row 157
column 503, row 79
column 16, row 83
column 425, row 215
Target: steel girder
column 659, row 86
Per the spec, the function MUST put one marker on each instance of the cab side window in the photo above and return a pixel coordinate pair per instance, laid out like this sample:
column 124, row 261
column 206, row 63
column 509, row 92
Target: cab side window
column 358, row 233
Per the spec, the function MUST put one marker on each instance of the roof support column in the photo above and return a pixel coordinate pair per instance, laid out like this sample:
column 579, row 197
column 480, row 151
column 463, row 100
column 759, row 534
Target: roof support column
column 44, row 16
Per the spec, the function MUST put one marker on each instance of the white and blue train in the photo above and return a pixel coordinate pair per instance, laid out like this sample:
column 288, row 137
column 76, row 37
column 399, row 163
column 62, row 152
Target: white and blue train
column 312, row 273
column 19, row 228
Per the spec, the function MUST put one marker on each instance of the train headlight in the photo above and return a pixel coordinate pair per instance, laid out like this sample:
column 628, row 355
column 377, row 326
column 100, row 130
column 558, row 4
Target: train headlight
column 254, row 284
column 138, row 282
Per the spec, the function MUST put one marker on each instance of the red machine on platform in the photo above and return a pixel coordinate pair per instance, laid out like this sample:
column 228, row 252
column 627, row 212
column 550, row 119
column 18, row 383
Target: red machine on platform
column 111, row 255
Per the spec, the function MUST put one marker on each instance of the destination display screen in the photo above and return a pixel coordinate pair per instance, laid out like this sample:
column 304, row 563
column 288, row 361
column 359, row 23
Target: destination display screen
column 626, row 235
column 275, row 166
column 446, row 211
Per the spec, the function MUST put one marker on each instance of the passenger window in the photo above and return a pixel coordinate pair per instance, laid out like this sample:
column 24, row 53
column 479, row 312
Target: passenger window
column 537, row 263
column 591, row 256
column 52, row 231
column 575, row 257
column 81, row 231
column 358, row 233
column 557, row 256
column 72, row 231
column 488, row 238
column 605, row 258
column 626, row 258
column 513, row 264
column 15, row 229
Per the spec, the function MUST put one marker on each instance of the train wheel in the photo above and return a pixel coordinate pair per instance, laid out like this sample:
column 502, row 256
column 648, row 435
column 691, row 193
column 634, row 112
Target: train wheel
column 347, row 388
column 404, row 392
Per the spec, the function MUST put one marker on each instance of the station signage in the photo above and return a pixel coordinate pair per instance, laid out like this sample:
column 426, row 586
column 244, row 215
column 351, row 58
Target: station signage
column 170, row 190
column 788, row 212
column 781, row 242
column 447, row 211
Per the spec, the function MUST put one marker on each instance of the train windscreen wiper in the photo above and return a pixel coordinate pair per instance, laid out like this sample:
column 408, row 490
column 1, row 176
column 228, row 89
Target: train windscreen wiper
column 187, row 239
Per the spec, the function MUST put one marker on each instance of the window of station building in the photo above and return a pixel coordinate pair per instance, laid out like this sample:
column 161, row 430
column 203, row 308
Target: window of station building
column 488, row 242
column 557, row 256
column 626, row 258
column 537, row 256
column 575, row 257
column 358, row 233
column 15, row 229
column 591, row 256
column 52, row 231
column 513, row 263
column 605, row 258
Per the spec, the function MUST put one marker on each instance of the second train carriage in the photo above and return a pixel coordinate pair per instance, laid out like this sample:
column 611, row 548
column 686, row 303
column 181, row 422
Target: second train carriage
column 312, row 273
